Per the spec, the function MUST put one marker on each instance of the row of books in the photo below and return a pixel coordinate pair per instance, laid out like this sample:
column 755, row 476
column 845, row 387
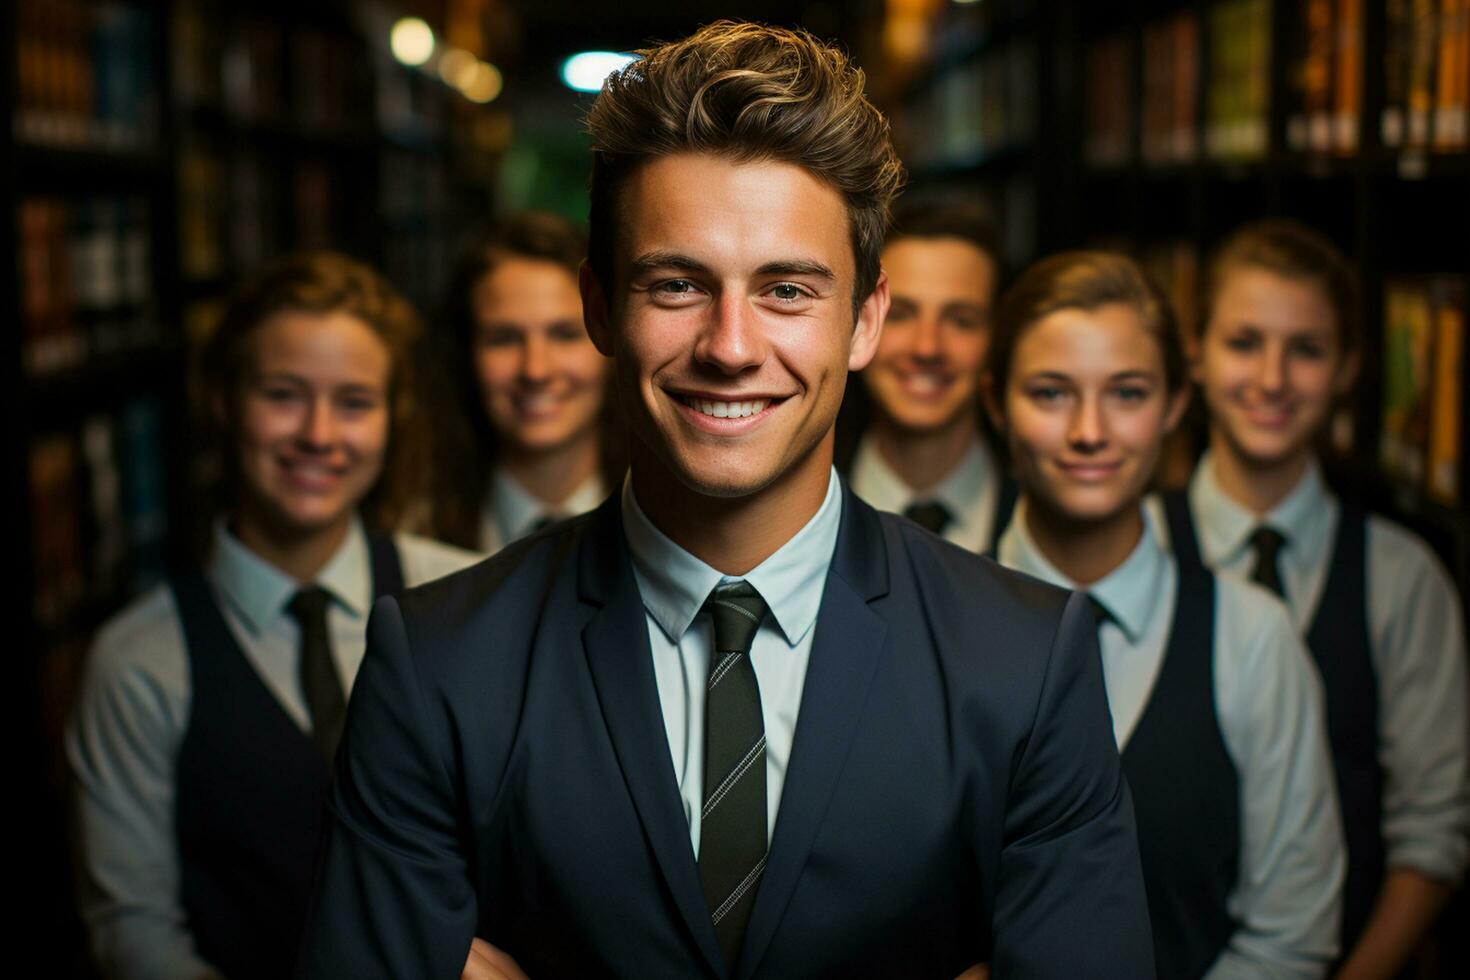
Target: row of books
column 1423, row 384
column 1325, row 86
column 1427, row 74
column 85, row 74
column 1426, row 82
column 983, row 107
column 254, row 70
column 86, row 279
column 99, row 514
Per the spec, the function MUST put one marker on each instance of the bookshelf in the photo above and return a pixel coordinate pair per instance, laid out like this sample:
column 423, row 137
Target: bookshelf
column 156, row 151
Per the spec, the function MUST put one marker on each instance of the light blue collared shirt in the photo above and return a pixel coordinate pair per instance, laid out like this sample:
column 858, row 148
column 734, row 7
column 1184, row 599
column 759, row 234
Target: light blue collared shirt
column 510, row 511
column 674, row 585
column 969, row 492
column 1417, row 638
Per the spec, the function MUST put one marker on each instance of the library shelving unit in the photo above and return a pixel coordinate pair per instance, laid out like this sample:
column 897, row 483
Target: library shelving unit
column 157, row 150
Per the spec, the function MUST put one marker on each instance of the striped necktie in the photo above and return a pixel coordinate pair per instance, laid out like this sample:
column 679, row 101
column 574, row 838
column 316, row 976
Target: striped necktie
column 732, row 837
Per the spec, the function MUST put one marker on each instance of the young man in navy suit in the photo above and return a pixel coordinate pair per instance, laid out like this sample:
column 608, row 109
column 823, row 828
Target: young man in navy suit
column 735, row 723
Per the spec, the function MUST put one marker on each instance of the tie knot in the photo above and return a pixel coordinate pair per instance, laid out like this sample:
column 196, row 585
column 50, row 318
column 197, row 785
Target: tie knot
column 309, row 605
column 931, row 515
column 737, row 611
column 1267, row 542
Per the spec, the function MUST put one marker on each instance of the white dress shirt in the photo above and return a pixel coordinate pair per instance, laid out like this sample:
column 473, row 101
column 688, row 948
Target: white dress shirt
column 510, row 511
column 1288, row 892
column 1416, row 632
column 969, row 492
column 123, row 739
column 674, row 585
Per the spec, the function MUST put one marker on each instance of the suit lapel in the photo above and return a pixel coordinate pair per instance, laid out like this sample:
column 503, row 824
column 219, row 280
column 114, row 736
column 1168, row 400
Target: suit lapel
column 615, row 641
column 845, row 653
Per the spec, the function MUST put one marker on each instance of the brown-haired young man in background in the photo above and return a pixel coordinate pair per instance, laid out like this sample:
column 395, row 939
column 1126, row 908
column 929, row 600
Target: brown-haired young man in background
column 735, row 723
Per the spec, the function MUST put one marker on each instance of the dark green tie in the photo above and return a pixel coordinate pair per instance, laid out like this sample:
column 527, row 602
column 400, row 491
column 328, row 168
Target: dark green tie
column 930, row 515
column 732, row 836
column 1102, row 614
column 325, row 701
column 1267, row 543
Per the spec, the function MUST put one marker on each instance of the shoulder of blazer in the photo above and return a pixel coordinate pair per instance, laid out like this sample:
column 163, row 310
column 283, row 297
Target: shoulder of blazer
column 496, row 592
column 971, row 600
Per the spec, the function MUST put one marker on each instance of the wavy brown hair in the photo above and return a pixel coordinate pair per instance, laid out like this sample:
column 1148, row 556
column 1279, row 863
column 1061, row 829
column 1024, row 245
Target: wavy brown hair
column 1291, row 250
column 322, row 283
column 1082, row 280
column 748, row 92
column 466, row 444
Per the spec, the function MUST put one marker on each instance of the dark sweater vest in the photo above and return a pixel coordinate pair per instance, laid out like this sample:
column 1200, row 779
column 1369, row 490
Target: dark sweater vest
column 1341, row 647
column 1186, row 793
column 251, row 795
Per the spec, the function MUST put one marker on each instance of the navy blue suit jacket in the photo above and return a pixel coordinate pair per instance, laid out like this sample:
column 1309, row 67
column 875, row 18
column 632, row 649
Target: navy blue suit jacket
column 953, row 790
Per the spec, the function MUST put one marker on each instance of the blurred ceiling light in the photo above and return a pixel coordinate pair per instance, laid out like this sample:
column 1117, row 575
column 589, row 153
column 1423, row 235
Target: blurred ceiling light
column 457, row 68
column 484, row 84
column 585, row 72
column 412, row 41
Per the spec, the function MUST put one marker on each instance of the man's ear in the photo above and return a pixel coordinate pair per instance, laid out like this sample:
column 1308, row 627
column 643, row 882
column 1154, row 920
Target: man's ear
column 594, row 310
column 1347, row 372
column 1178, row 402
column 869, row 326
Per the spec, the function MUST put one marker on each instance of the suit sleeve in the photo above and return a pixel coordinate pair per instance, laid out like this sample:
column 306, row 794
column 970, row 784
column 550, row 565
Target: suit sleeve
column 394, row 896
column 1070, row 899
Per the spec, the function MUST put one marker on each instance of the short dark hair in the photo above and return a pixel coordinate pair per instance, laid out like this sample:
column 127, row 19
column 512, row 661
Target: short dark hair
column 324, row 282
column 1293, row 251
column 968, row 221
column 1083, row 280
column 749, row 92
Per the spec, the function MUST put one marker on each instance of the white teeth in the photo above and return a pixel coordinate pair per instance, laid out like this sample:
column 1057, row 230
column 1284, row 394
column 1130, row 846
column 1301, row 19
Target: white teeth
column 728, row 410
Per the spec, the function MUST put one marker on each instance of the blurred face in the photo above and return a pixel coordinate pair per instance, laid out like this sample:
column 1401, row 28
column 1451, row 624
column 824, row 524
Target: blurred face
column 312, row 418
column 1086, row 410
column 732, row 324
column 926, row 372
column 1270, row 365
column 541, row 378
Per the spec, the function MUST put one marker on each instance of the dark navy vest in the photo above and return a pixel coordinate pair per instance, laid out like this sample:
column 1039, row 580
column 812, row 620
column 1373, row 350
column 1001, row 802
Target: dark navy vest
column 1340, row 645
column 251, row 795
column 1186, row 793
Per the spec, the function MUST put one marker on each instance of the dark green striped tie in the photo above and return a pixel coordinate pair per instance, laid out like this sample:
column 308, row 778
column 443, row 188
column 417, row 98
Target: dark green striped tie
column 732, row 837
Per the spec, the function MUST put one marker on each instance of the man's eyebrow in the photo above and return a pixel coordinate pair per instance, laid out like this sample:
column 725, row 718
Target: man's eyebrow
column 796, row 267
column 651, row 261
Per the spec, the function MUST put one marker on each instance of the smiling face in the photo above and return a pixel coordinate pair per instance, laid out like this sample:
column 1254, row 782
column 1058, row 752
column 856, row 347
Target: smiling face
column 732, row 320
column 541, row 379
column 311, row 419
column 925, row 375
column 1086, row 410
column 1271, row 364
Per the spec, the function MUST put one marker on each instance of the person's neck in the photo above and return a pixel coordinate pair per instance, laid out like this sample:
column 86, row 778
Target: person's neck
column 1256, row 486
column 732, row 534
column 300, row 554
column 923, row 459
column 1084, row 551
column 553, row 475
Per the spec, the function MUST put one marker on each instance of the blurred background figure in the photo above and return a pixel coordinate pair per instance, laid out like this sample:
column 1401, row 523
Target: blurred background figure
column 1281, row 346
column 922, row 452
column 203, row 737
column 528, row 435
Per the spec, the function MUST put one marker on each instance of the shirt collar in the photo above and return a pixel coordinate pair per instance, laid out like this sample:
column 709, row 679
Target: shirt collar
column 258, row 592
column 1127, row 592
column 960, row 491
column 516, row 510
column 675, row 584
column 1304, row 516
